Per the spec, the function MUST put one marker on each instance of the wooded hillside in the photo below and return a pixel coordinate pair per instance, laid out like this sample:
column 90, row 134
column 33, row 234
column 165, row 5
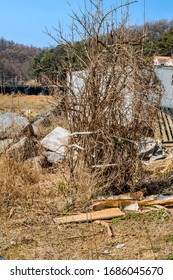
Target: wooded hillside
column 14, row 60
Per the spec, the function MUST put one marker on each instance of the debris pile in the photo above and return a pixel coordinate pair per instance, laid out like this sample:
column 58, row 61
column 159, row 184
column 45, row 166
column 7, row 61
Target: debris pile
column 19, row 136
column 117, row 206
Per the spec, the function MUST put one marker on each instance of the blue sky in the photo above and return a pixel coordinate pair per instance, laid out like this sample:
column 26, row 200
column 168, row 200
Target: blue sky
column 24, row 21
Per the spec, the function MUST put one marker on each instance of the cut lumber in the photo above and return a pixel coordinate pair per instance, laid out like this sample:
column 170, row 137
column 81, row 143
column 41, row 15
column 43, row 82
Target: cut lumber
column 131, row 196
column 105, row 224
column 91, row 216
column 112, row 203
column 166, row 202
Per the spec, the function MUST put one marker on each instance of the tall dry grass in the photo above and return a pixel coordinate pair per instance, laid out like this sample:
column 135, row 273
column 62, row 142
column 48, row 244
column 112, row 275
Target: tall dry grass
column 17, row 182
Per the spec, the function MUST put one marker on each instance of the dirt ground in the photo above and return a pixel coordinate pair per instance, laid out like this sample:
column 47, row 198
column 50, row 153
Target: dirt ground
column 28, row 231
column 36, row 236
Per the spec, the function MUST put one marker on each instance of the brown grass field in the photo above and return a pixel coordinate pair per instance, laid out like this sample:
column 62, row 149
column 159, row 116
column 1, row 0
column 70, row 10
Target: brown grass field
column 21, row 103
column 30, row 201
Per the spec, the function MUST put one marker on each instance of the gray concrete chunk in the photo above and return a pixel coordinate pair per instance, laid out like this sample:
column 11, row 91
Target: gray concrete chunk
column 56, row 140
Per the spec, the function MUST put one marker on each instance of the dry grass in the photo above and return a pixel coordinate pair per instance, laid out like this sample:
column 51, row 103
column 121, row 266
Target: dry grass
column 30, row 201
column 17, row 181
column 35, row 236
column 21, row 103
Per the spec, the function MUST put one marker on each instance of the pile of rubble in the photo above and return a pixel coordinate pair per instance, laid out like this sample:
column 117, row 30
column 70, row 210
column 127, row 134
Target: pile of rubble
column 22, row 139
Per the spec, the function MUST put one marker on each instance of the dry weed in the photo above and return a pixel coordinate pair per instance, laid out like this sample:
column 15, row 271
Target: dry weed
column 17, row 181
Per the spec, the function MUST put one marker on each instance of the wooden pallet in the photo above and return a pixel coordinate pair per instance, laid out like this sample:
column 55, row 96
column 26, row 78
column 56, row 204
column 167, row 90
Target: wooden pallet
column 164, row 125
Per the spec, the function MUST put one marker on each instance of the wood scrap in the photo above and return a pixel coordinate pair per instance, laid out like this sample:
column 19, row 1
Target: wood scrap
column 166, row 202
column 138, row 195
column 112, row 203
column 132, row 196
column 105, row 224
column 91, row 216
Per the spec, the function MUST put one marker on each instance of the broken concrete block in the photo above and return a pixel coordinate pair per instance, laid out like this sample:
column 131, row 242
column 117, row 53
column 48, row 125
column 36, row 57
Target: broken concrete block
column 11, row 125
column 132, row 207
column 35, row 130
column 56, row 140
column 53, row 157
column 23, row 149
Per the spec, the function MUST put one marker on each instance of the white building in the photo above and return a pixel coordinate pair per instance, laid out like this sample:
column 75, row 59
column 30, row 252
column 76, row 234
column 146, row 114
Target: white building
column 165, row 74
column 163, row 69
column 163, row 61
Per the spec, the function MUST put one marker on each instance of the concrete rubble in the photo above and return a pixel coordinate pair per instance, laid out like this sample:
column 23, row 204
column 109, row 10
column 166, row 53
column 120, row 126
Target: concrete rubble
column 24, row 148
column 20, row 136
column 21, row 139
column 55, row 143
column 53, row 157
column 150, row 149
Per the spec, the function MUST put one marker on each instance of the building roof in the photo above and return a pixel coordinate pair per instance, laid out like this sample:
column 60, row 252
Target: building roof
column 163, row 61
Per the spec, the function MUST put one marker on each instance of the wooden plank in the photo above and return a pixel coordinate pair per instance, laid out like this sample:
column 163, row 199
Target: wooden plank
column 105, row 224
column 162, row 128
column 167, row 202
column 98, row 205
column 170, row 122
column 91, row 216
column 166, row 126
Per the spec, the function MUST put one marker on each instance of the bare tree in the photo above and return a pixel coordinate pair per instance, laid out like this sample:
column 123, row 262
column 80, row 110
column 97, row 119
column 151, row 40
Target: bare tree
column 110, row 97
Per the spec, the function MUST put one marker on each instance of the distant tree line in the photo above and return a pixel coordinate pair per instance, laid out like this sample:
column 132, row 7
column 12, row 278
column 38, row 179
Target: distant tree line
column 15, row 61
column 24, row 62
column 159, row 40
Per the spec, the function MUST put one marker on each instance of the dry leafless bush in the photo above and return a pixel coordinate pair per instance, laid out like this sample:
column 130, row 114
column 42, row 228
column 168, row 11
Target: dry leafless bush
column 113, row 94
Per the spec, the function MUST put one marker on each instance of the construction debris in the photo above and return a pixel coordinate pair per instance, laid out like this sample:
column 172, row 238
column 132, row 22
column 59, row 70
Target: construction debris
column 112, row 203
column 91, row 216
column 151, row 149
column 132, row 207
column 130, row 196
column 12, row 125
column 165, row 202
column 105, row 224
column 120, row 246
column 56, row 140
column 112, row 212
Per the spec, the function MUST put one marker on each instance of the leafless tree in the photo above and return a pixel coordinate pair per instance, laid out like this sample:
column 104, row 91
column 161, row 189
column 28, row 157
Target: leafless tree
column 112, row 103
